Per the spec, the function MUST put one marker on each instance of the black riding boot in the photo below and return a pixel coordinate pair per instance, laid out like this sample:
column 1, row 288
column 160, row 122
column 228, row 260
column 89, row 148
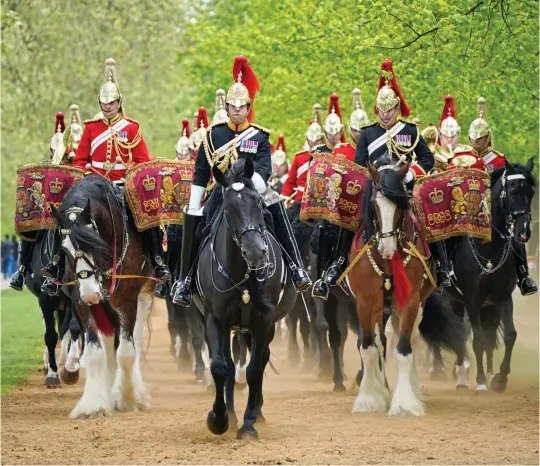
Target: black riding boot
column 172, row 259
column 438, row 250
column 190, row 247
column 25, row 254
column 526, row 283
column 54, row 270
column 339, row 259
column 321, row 289
column 285, row 236
column 153, row 239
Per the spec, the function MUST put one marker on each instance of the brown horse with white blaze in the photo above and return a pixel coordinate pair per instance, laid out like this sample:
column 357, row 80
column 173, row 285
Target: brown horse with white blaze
column 388, row 276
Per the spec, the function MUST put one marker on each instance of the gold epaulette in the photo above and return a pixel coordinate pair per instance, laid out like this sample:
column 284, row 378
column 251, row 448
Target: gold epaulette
column 131, row 120
column 262, row 128
column 341, row 144
column 500, row 154
column 462, row 148
column 214, row 125
column 92, row 120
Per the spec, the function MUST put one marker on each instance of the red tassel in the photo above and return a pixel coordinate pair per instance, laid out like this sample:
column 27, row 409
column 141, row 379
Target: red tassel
column 102, row 321
column 402, row 285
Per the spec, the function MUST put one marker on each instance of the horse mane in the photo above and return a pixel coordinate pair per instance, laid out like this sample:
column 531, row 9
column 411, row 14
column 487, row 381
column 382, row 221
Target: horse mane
column 518, row 168
column 96, row 190
column 368, row 211
column 392, row 186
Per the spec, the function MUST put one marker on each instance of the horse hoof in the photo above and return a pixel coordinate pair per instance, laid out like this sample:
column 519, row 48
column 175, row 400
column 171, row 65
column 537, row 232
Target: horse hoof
column 70, row 378
column 247, row 434
column 52, row 381
column 200, row 380
column 216, row 425
column 240, row 386
column 339, row 388
column 462, row 386
column 481, row 388
column 498, row 384
column 233, row 421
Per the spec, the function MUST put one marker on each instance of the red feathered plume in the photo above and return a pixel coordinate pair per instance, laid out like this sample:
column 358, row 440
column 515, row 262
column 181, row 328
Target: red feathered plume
column 281, row 143
column 248, row 78
column 272, row 148
column 334, row 104
column 387, row 66
column 449, row 109
column 185, row 128
column 402, row 285
column 202, row 118
column 59, row 121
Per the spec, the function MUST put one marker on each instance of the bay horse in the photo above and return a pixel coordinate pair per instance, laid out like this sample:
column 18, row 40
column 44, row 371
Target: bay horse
column 102, row 244
column 244, row 285
column 388, row 276
column 485, row 273
column 68, row 326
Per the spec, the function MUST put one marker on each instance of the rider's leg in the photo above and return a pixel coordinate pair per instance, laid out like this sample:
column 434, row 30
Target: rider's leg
column 321, row 289
column 526, row 284
column 339, row 258
column 54, row 270
column 285, row 236
column 438, row 250
column 23, row 260
column 155, row 248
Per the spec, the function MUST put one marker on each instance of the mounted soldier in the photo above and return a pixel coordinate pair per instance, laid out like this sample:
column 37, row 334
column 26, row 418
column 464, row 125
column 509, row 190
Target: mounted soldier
column 72, row 135
column 220, row 147
column 199, row 131
column 221, row 113
column 480, row 137
column 295, row 184
column 108, row 147
column 333, row 127
column 280, row 166
column 56, row 151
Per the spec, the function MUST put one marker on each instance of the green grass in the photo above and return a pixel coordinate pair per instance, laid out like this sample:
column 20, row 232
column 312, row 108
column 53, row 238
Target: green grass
column 22, row 337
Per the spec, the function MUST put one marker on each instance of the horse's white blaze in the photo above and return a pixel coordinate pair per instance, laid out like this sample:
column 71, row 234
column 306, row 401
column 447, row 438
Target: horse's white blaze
column 373, row 395
column 72, row 363
column 406, row 401
column 96, row 396
column 461, row 372
column 240, row 373
column 64, row 345
column 89, row 288
column 387, row 246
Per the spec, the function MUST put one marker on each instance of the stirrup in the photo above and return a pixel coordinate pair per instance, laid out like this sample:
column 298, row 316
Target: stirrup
column 320, row 289
column 527, row 286
column 50, row 288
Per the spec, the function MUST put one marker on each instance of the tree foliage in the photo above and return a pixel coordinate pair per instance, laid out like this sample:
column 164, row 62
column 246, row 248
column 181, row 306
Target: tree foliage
column 303, row 50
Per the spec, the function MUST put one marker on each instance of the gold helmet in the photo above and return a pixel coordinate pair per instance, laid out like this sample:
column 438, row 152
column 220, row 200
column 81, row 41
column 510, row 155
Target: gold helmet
column 448, row 124
column 243, row 91
column 359, row 117
column 199, row 130
column 388, row 93
column 479, row 127
column 315, row 132
column 431, row 136
column 333, row 122
column 279, row 157
column 416, row 121
column 56, row 145
column 75, row 127
column 221, row 113
column 109, row 92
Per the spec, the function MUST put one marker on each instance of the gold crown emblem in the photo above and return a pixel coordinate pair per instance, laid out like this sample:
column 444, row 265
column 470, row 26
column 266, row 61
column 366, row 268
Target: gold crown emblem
column 474, row 185
column 83, row 274
column 55, row 186
column 436, row 196
column 20, row 181
column 321, row 168
column 353, row 187
column 185, row 175
column 149, row 184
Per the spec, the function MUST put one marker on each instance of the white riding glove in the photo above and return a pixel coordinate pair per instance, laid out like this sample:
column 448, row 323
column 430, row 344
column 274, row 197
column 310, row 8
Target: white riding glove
column 409, row 176
column 259, row 183
column 195, row 199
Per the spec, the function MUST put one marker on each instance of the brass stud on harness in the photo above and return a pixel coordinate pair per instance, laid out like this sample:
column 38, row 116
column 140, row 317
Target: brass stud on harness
column 245, row 297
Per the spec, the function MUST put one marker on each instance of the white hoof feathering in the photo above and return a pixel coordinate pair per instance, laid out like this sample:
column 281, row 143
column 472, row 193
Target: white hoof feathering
column 489, row 377
column 461, row 372
column 482, row 387
column 72, row 363
column 373, row 395
column 64, row 344
column 240, row 374
column 405, row 401
column 96, row 397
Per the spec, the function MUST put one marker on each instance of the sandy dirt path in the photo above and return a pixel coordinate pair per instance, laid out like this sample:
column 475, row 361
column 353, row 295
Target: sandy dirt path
column 307, row 423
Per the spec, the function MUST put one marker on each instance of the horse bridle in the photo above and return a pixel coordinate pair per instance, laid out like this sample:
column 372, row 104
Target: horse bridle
column 511, row 216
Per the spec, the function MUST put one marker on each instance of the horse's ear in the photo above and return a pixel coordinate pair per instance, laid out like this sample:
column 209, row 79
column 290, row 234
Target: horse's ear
column 530, row 165
column 373, row 172
column 219, row 176
column 86, row 211
column 249, row 169
column 58, row 216
column 404, row 169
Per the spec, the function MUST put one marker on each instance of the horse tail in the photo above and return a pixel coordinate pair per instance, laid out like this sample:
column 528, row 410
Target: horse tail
column 441, row 326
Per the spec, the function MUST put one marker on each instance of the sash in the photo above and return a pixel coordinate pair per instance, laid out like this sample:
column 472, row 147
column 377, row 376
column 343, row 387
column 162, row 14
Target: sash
column 302, row 169
column 382, row 139
column 103, row 137
column 489, row 157
column 247, row 133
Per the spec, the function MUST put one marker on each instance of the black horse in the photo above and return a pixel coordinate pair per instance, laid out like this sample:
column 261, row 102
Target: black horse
column 66, row 317
column 485, row 272
column 243, row 283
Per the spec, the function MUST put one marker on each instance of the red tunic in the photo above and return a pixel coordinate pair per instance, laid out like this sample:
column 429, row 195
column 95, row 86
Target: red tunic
column 494, row 160
column 453, row 163
column 297, row 176
column 348, row 150
column 96, row 142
